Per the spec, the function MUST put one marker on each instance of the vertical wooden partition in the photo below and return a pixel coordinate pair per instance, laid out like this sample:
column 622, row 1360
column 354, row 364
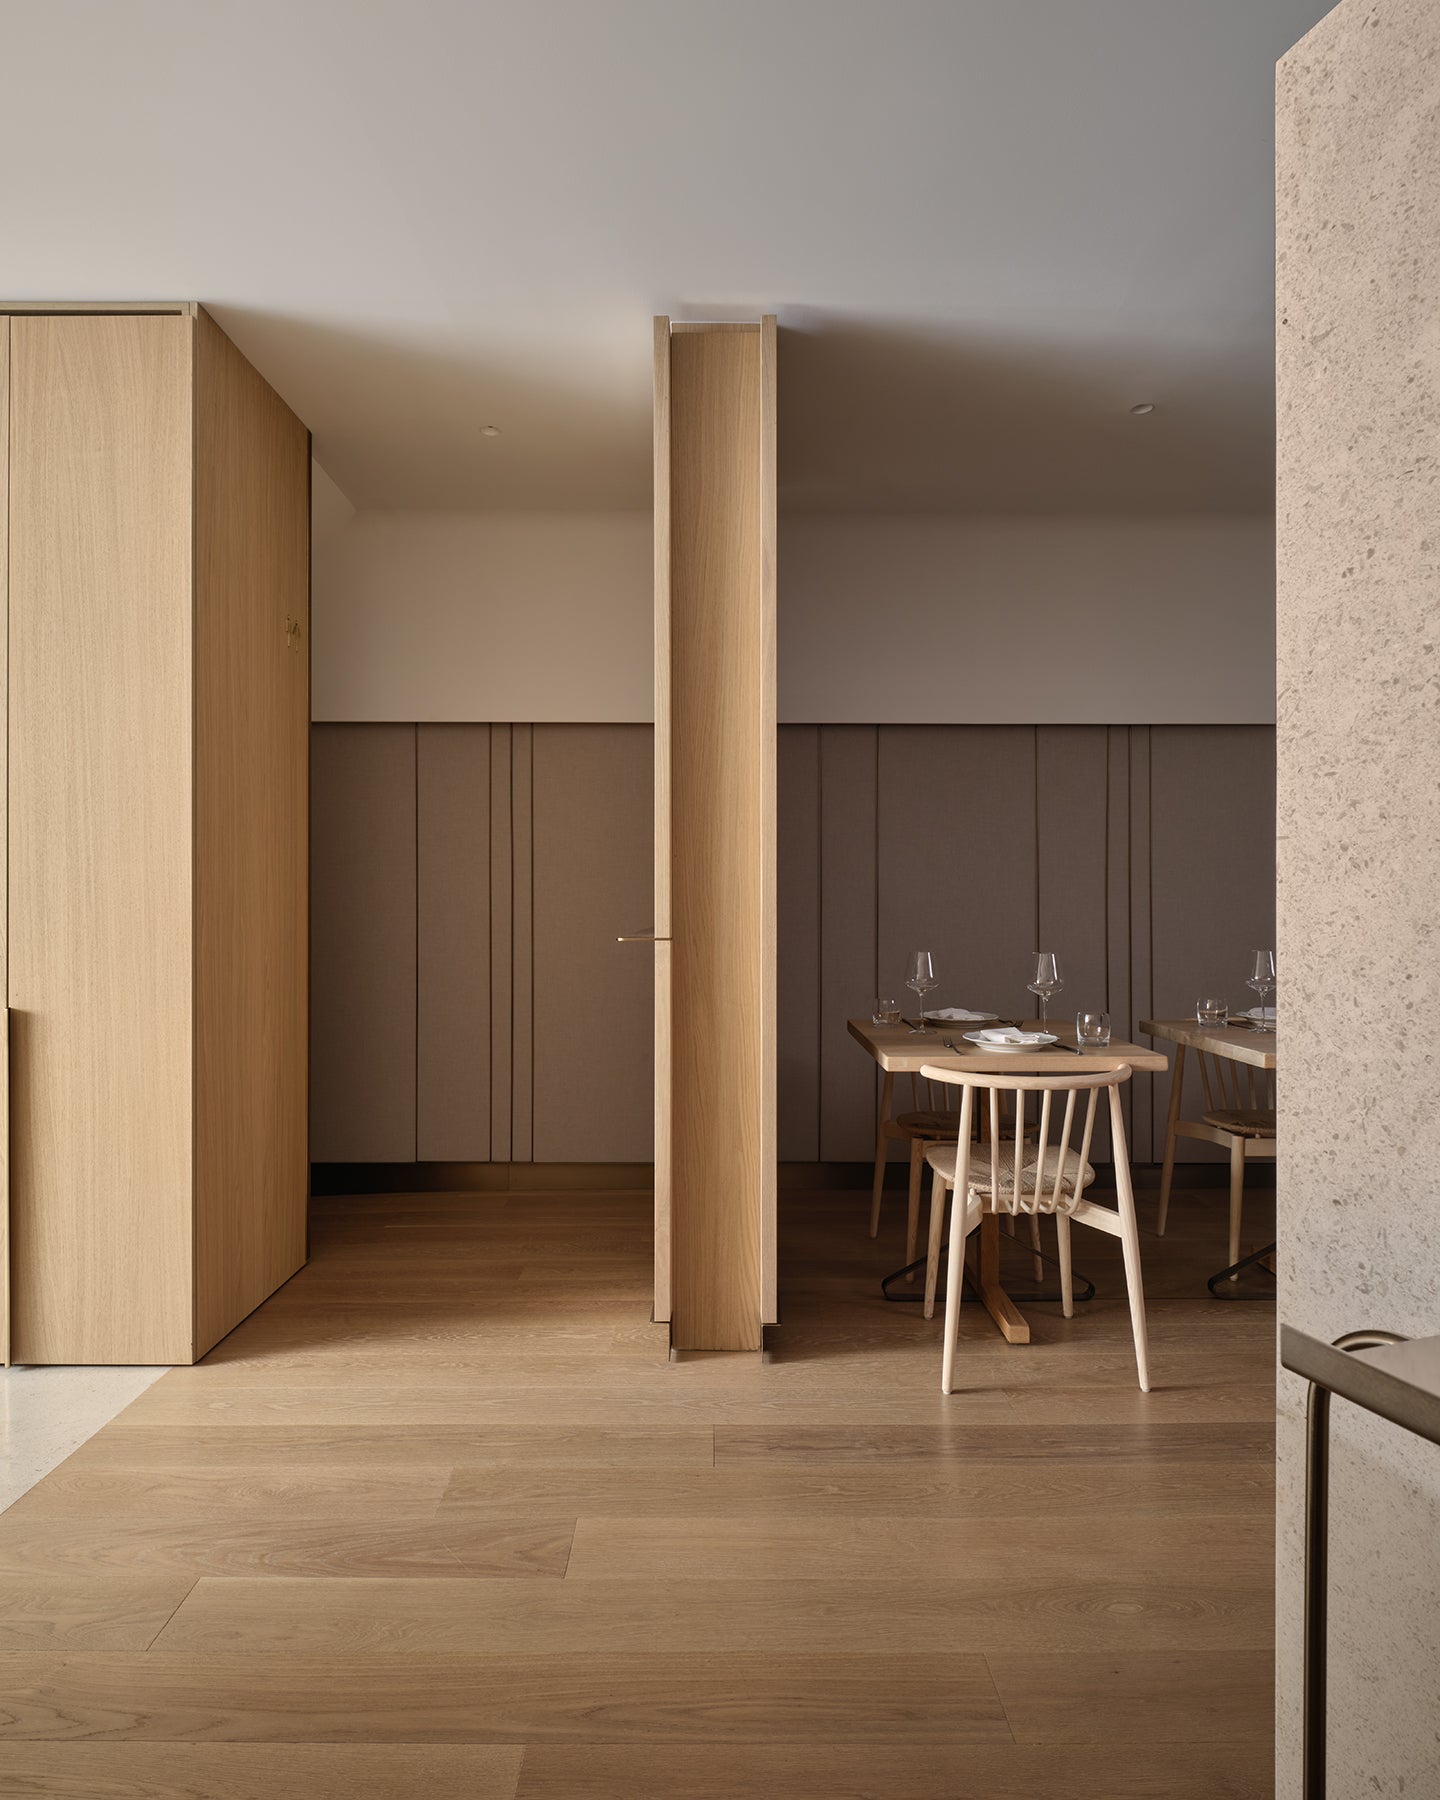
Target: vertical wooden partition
column 715, row 832
column 155, row 791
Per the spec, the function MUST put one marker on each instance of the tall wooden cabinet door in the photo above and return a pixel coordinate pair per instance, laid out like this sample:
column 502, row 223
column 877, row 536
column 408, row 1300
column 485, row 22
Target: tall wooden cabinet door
column 100, row 802
column 252, row 790
column 664, row 1173
column 715, row 848
column 4, row 841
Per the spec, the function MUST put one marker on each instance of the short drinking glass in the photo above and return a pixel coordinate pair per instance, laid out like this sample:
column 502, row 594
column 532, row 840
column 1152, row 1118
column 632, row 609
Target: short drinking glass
column 885, row 1012
column 1092, row 1030
column 1212, row 1012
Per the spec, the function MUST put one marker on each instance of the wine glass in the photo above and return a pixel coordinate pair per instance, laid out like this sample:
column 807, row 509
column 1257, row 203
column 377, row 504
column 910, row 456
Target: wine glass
column 1262, row 978
column 1045, row 981
column 921, row 978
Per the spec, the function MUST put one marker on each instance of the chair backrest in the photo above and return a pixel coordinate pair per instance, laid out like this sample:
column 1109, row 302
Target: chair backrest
column 982, row 1088
column 1235, row 1086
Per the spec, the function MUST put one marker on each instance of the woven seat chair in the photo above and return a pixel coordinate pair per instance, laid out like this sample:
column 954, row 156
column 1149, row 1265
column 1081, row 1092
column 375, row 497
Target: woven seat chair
column 934, row 1119
column 1031, row 1175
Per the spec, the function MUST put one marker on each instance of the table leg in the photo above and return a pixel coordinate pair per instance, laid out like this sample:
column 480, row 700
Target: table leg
column 1001, row 1308
column 1167, row 1174
column 882, row 1143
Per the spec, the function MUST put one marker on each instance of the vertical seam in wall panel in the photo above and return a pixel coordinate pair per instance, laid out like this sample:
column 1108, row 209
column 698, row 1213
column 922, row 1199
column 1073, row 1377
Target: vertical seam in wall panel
column 512, row 940
column 530, row 936
column 875, row 827
column 490, row 731
column 1130, row 905
column 1150, row 906
column 415, row 778
column 819, row 936
column 1035, row 822
column 1105, row 882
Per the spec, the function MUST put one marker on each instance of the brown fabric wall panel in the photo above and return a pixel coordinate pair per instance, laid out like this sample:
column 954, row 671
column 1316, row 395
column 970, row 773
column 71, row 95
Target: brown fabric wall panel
column 848, row 1082
column 958, row 862
column 522, row 1028
column 362, row 885
column 1071, row 801
column 593, row 848
column 1072, row 844
column 1118, row 896
column 798, row 933
column 452, row 869
column 1144, row 1146
column 502, row 920
column 1212, row 863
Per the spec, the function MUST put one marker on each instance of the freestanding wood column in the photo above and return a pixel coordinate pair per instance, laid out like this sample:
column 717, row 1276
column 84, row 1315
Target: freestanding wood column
column 157, row 798
column 715, row 832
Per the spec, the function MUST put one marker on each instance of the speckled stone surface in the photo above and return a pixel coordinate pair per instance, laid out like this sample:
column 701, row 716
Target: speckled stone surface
column 1358, row 930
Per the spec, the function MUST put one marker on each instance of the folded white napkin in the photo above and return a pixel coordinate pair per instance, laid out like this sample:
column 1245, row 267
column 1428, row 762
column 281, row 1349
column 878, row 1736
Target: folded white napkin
column 959, row 1015
column 1008, row 1034
column 1261, row 1012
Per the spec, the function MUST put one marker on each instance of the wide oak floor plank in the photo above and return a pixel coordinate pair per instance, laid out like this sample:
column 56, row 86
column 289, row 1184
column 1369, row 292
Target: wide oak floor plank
column 67, row 1612
column 114, row 1771
column 300, row 1447
column 418, row 1699
column 931, row 1489
column 280, row 1546
column 1119, row 1698
column 239, row 1489
column 1087, row 1546
column 684, row 1617
column 1020, row 1442
column 707, row 1771
column 532, row 1407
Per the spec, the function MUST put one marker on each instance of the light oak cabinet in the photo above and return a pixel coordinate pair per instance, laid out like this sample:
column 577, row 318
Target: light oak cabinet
column 155, row 842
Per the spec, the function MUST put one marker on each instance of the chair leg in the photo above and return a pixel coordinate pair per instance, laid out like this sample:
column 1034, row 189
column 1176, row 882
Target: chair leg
column 1237, row 1198
column 954, row 1282
column 912, row 1213
column 1037, row 1261
column 938, row 1191
column 882, row 1144
column 1130, row 1240
column 1067, row 1296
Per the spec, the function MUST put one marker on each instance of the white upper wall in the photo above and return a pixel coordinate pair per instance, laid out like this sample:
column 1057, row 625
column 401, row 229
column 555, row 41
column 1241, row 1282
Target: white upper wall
column 455, row 616
column 547, row 617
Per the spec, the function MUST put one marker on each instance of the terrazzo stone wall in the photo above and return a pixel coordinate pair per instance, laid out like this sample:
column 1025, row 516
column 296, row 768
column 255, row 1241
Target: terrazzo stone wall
column 1359, row 863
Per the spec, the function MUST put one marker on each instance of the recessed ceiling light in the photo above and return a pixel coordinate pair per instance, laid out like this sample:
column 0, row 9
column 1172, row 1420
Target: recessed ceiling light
column 1145, row 406
column 489, row 431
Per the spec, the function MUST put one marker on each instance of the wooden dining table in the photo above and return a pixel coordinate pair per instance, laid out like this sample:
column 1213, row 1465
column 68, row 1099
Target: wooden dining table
column 899, row 1051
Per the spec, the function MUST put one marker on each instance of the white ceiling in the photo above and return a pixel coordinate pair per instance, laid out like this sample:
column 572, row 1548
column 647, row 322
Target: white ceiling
column 988, row 228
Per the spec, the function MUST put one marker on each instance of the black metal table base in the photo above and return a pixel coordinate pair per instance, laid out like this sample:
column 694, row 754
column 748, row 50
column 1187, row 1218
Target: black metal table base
column 1235, row 1291
column 1084, row 1288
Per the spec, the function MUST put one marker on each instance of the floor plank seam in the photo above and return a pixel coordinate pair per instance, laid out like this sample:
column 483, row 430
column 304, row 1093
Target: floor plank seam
column 165, row 1625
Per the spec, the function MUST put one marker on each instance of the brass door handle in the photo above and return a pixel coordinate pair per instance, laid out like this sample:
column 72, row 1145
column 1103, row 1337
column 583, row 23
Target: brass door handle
column 640, row 937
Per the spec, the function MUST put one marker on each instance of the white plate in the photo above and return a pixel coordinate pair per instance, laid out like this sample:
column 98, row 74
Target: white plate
column 1039, row 1042
column 943, row 1018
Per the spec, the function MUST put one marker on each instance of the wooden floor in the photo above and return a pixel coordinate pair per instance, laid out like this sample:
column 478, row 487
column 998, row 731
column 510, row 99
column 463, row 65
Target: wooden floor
column 440, row 1521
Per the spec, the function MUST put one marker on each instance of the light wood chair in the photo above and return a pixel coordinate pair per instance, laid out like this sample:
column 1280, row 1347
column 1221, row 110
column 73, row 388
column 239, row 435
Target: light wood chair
column 934, row 1118
column 1030, row 1176
column 1239, row 1116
